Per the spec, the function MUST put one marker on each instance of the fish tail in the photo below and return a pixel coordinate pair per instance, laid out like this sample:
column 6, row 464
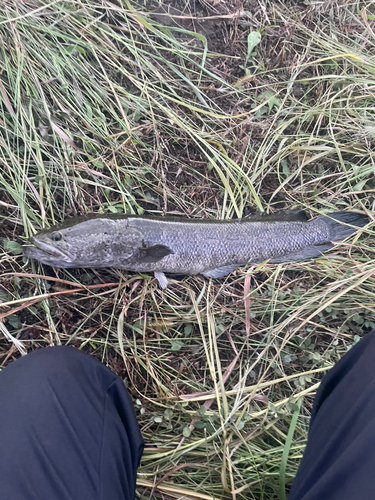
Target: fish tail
column 344, row 224
column 340, row 224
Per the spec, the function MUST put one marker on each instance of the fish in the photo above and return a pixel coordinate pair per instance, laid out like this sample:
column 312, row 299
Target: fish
column 213, row 248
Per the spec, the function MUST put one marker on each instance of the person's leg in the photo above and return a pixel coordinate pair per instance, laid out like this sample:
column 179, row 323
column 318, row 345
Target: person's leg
column 339, row 460
column 67, row 429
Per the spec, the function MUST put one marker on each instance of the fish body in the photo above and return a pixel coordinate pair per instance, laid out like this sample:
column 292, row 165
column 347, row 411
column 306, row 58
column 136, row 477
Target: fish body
column 189, row 246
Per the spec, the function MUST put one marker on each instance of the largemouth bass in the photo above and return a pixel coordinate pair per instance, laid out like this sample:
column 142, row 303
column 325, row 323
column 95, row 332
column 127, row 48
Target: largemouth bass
column 189, row 246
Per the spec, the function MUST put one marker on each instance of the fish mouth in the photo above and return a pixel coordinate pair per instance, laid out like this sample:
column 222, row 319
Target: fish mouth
column 48, row 250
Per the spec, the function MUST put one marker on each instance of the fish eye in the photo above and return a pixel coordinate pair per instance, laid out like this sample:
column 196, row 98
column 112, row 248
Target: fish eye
column 56, row 236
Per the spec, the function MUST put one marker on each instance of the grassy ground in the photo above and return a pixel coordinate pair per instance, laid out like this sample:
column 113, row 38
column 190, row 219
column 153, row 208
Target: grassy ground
column 212, row 109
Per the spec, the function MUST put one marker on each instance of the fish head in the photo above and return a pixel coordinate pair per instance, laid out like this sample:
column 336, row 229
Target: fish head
column 60, row 245
column 78, row 242
column 53, row 248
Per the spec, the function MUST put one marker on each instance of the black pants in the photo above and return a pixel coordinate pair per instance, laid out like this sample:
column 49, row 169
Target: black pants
column 67, row 429
column 339, row 461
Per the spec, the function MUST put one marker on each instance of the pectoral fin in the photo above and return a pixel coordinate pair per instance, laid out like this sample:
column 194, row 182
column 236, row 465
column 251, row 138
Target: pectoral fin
column 219, row 272
column 154, row 253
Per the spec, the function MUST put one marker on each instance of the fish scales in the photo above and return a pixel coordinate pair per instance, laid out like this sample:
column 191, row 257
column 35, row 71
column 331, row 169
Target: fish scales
column 189, row 246
column 198, row 247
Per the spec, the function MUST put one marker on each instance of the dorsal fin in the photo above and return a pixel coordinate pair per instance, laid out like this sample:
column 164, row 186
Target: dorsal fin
column 281, row 216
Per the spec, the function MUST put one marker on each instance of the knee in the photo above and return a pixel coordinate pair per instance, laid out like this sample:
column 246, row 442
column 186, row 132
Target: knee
column 58, row 362
column 58, row 358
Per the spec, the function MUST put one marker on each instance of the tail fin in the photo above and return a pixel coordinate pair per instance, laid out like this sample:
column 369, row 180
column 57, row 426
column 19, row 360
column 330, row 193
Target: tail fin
column 337, row 221
column 337, row 231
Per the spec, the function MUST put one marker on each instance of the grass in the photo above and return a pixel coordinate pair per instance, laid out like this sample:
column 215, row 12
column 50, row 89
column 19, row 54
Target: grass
column 106, row 107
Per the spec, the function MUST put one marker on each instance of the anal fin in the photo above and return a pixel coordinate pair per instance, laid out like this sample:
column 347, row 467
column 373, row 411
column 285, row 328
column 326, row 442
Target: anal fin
column 219, row 272
column 303, row 254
